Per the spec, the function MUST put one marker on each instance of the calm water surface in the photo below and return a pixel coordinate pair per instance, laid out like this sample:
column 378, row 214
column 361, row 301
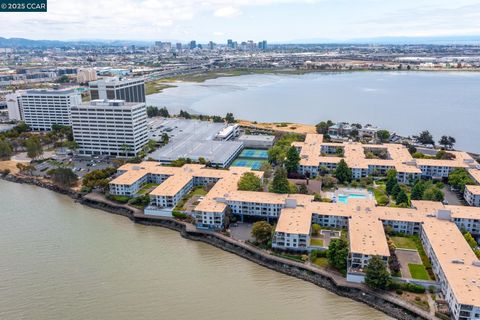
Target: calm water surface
column 442, row 102
column 61, row 260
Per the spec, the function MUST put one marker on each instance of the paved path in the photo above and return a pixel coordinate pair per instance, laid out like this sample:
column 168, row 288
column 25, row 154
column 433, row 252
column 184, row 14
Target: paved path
column 431, row 304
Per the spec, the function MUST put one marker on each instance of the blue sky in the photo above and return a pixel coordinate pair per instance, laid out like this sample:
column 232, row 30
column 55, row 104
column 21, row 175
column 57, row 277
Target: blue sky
column 218, row 20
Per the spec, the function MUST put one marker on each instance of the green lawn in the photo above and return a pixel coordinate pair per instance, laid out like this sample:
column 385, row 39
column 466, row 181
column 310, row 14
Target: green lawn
column 199, row 191
column 321, row 262
column 418, row 271
column 380, row 193
column 404, row 242
column 146, row 188
column 316, row 242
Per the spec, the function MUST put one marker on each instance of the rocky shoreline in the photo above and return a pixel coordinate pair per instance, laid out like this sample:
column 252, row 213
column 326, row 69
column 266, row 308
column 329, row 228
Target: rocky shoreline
column 381, row 301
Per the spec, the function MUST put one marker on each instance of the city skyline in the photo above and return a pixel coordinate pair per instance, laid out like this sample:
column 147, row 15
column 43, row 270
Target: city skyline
column 219, row 20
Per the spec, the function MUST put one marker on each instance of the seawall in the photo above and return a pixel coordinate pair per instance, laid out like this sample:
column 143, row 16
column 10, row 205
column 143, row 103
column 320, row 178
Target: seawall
column 382, row 301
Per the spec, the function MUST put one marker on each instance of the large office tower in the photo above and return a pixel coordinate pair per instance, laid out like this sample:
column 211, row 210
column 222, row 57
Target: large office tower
column 41, row 109
column 130, row 90
column 193, row 44
column 110, row 127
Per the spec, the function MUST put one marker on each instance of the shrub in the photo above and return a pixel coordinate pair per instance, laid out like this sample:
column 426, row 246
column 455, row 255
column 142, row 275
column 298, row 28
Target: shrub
column 399, row 292
column 98, row 178
column 85, row 190
column 410, row 287
column 121, row 199
column 322, row 254
column 382, row 200
column 179, row 215
column 142, row 201
column 442, row 316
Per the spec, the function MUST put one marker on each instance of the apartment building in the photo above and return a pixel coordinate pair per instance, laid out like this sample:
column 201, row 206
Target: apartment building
column 453, row 261
column 130, row 90
column 171, row 191
column 293, row 230
column 340, row 129
column 110, row 127
column 370, row 159
column 472, row 195
column 40, row 109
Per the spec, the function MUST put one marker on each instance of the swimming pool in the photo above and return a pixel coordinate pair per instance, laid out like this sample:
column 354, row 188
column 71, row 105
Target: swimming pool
column 344, row 198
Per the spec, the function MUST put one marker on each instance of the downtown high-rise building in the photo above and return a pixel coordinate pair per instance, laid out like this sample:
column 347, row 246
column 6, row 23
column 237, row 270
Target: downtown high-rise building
column 262, row 45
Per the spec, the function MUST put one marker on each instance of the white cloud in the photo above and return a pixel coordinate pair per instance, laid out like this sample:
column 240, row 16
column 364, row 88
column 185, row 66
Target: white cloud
column 179, row 19
column 226, row 12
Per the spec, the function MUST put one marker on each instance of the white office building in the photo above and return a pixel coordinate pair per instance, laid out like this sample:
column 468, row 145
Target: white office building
column 130, row 90
column 13, row 106
column 40, row 109
column 110, row 127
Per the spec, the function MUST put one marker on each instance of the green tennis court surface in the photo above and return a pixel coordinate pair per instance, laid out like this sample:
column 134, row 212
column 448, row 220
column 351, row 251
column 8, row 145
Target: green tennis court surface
column 254, row 154
column 250, row 163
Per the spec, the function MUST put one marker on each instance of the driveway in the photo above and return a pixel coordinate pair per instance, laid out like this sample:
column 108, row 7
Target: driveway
column 452, row 197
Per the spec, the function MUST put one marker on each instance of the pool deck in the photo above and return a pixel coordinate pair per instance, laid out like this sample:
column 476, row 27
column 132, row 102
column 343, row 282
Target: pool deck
column 342, row 195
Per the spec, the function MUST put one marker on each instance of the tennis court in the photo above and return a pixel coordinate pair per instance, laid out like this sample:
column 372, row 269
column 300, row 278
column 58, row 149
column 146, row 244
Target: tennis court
column 251, row 158
column 254, row 164
column 254, row 154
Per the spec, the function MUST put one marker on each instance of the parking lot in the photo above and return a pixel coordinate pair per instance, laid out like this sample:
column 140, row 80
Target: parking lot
column 241, row 231
column 80, row 165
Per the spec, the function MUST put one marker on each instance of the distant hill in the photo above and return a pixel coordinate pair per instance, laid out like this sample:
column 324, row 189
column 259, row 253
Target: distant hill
column 438, row 40
column 28, row 43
